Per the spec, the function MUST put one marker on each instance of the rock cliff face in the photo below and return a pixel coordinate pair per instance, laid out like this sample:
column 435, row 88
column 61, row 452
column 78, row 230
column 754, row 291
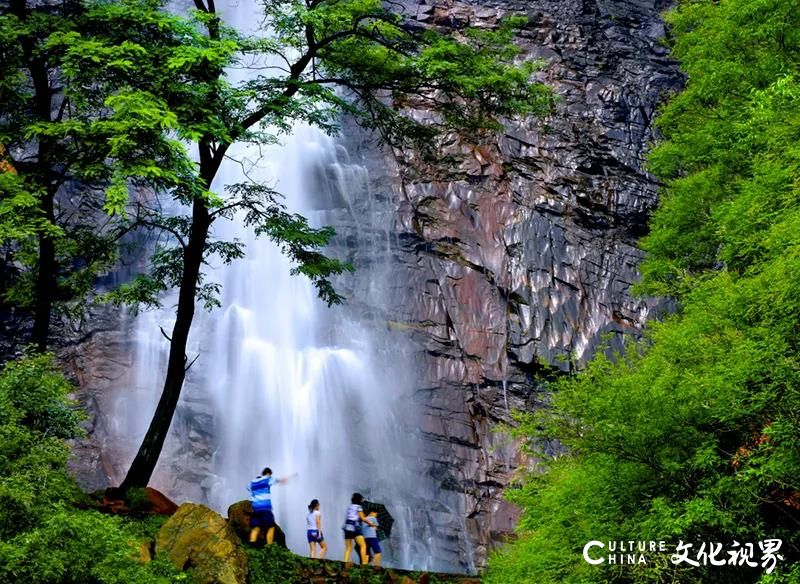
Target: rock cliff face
column 520, row 254
column 524, row 252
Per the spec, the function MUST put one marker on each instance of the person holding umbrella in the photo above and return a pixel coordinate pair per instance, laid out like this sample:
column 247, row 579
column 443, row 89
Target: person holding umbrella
column 384, row 518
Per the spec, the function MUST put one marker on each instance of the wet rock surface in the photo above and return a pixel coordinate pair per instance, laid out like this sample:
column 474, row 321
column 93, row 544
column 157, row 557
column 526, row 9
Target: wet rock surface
column 523, row 252
column 100, row 357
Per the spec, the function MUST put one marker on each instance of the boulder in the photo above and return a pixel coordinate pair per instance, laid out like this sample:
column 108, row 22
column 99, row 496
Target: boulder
column 148, row 501
column 160, row 504
column 200, row 541
column 239, row 519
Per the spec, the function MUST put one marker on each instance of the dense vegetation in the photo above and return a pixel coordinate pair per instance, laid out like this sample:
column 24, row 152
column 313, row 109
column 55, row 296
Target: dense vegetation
column 47, row 533
column 693, row 433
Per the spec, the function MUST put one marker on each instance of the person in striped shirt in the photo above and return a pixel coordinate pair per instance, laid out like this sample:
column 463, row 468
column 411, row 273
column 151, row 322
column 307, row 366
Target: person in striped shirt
column 261, row 497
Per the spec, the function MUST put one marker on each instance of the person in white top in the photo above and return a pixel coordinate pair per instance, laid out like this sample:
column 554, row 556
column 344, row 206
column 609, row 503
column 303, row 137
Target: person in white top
column 314, row 530
column 352, row 529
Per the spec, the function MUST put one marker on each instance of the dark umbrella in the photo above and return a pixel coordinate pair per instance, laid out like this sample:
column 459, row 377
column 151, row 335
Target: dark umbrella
column 385, row 519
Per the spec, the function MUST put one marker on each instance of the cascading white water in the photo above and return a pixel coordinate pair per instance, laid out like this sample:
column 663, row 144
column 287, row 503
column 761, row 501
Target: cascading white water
column 297, row 386
column 284, row 381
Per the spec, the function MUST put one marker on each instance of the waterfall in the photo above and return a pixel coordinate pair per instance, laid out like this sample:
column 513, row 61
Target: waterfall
column 282, row 380
column 298, row 386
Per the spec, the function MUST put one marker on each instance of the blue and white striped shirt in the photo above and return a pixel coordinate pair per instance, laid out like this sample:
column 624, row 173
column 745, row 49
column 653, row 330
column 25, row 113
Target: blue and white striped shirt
column 260, row 494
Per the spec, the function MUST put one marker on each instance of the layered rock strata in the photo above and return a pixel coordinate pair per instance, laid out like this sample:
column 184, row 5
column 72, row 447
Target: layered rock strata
column 520, row 257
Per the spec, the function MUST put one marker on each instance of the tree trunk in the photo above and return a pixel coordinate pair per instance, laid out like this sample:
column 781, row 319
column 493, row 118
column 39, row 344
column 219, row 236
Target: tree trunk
column 46, row 269
column 144, row 463
column 146, row 458
column 46, row 282
column 45, row 279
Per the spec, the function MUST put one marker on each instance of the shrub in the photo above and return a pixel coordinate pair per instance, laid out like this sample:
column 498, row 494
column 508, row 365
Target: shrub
column 43, row 538
column 271, row 565
column 33, row 394
column 35, row 418
column 81, row 547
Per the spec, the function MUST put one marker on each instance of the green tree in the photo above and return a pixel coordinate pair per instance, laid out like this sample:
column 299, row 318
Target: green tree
column 62, row 154
column 323, row 47
column 692, row 433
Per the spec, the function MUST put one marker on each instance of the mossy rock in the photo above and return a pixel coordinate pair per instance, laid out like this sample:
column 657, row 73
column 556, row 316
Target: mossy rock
column 199, row 540
column 239, row 519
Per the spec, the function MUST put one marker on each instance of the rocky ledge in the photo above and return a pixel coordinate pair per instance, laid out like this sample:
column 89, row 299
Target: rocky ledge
column 209, row 548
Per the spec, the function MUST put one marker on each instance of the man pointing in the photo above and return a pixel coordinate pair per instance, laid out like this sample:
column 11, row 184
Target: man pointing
column 261, row 498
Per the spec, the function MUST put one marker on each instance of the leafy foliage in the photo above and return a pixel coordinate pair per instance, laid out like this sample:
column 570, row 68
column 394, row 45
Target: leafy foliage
column 35, row 418
column 43, row 536
column 730, row 159
column 70, row 148
column 81, row 547
column 693, row 433
column 467, row 78
column 271, row 565
column 33, row 395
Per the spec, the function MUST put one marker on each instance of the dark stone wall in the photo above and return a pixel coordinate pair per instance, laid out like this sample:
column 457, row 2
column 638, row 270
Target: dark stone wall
column 525, row 251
